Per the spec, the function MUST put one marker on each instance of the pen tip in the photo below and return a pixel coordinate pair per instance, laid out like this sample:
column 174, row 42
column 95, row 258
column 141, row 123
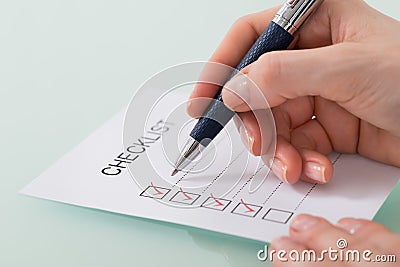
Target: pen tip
column 175, row 171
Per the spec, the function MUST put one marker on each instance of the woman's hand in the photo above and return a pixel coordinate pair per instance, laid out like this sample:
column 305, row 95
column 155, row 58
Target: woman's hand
column 344, row 70
column 370, row 242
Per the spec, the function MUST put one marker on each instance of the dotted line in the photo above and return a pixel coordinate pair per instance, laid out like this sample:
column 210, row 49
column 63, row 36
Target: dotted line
column 315, row 185
column 273, row 192
column 244, row 185
column 219, row 175
column 308, row 193
column 197, row 163
column 337, row 158
column 185, row 174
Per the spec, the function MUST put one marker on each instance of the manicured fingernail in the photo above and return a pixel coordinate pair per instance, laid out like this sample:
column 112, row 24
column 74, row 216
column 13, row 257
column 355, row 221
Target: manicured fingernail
column 279, row 168
column 315, row 172
column 235, row 92
column 350, row 225
column 303, row 222
column 247, row 139
column 282, row 243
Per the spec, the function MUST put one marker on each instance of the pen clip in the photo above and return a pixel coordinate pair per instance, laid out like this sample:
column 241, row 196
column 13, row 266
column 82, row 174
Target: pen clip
column 294, row 13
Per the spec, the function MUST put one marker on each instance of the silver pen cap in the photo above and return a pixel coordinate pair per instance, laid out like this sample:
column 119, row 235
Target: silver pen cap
column 294, row 13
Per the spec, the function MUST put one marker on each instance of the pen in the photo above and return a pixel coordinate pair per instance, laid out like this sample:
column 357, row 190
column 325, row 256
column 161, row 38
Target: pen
column 277, row 36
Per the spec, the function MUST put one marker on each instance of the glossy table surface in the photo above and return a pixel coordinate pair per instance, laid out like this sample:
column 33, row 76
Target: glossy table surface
column 66, row 67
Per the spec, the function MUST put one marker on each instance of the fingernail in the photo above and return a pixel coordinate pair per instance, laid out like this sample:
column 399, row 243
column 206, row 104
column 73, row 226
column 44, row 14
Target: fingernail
column 350, row 225
column 279, row 168
column 247, row 139
column 315, row 172
column 303, row 222
column 235, row 92
column 282, row 243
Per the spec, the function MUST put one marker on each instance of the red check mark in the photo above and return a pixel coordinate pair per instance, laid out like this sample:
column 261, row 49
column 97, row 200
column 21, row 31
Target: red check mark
column 158, row 192
column 216, row 201
column 247, row 206
column 185, row 194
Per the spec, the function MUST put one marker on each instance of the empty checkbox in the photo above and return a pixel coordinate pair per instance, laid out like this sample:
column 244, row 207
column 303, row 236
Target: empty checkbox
column 278, row 216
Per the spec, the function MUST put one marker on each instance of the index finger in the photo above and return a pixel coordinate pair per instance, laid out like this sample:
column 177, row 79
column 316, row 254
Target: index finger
column 239, row 39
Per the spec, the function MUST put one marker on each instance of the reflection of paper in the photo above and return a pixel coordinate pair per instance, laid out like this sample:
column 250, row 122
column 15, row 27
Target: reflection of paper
column 95, row 175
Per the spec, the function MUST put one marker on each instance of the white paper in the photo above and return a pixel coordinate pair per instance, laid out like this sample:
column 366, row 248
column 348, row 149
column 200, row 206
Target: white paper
column 358, row 188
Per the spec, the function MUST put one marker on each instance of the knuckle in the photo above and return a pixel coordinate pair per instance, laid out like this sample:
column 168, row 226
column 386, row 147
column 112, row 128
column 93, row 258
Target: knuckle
column 270, row 67
column 240, row 22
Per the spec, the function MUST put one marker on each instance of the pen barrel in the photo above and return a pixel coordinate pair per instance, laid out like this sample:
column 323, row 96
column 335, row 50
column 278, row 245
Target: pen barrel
column 217, row 115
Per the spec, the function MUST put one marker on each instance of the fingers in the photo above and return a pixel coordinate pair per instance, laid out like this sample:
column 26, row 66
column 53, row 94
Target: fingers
column 232, row 49
column 329, row 63
column 311, row 143
column 249, row 130
column 317, row 32
column 317, row 235
column 287, row 162
column 361, row 227
column 283, row 75
column 301, row 143
column 317, row 168
column 369, row 232
column 245, row 31
column 289, row 159
column 290, row 164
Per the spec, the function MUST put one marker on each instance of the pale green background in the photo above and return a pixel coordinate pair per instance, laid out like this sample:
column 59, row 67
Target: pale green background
column 66, row 67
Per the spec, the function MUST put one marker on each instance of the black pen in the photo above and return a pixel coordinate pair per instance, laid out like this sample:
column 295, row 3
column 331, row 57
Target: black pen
column 278, row 35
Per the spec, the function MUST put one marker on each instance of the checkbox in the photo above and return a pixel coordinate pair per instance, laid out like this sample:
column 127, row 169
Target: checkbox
column 184, row 197
column 155, row 192
column 216, row 203
column 278, row 216
column 246, row 209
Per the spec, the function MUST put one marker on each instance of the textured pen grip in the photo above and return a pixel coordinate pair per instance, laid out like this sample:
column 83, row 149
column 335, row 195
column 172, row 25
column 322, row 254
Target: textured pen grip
column 217, row 115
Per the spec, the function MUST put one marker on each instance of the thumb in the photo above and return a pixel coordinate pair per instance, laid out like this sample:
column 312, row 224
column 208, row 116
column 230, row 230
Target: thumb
column 333, row 72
